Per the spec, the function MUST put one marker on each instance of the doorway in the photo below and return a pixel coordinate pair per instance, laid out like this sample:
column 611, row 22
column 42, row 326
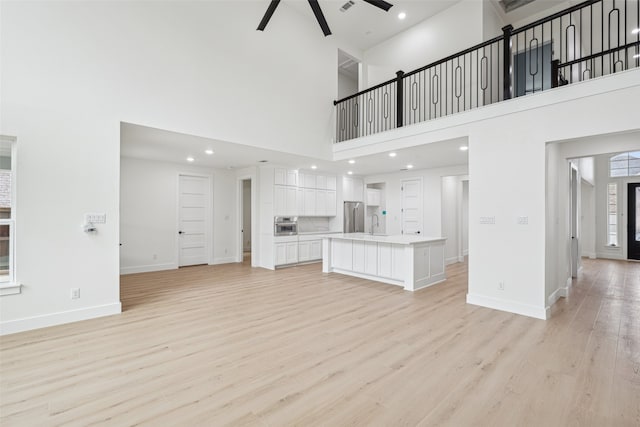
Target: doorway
column 194, row 219
column 574, row 211
column 633, row 218
column 348, row 75
column 245, row 229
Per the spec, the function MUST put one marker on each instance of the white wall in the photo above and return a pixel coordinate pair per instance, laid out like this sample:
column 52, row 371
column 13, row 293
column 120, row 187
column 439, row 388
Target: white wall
column 347, row 85
column 432, row 197
column 148, row 214
column 72, row 71
column 492, row 21
column 426, row 42
column 588, row 219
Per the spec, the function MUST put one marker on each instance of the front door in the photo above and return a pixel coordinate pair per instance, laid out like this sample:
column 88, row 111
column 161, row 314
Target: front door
column 633, row 225
column 193, row 242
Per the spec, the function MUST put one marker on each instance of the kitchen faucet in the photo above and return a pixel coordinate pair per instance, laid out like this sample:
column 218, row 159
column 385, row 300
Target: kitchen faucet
column 377, row 222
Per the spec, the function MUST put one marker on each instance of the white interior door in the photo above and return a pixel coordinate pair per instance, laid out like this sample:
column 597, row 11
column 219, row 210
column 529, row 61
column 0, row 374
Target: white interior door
column 411, row 206
column 193, row 220
column 575, row 220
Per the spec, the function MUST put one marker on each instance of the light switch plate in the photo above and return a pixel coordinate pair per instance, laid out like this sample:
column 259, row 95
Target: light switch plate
column 95, row 218
column 523, row 220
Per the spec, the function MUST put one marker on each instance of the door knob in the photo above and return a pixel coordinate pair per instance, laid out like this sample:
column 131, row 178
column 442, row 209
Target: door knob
column 180, row 232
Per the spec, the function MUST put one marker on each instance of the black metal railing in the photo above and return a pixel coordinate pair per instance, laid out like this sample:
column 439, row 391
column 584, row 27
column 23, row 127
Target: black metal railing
column 589, row 40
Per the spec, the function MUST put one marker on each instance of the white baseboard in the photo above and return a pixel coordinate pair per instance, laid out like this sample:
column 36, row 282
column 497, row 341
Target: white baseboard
column 451, row 260
column 555, row 296
column 147, row 268
column 591, row 255
column 506, row 305
column 465, row 252
column 225, row 260
column 52, row 319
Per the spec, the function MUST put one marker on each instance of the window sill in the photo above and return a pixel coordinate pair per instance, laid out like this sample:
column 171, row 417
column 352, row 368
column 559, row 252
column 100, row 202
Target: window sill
column 610, row 247
column 10, row 289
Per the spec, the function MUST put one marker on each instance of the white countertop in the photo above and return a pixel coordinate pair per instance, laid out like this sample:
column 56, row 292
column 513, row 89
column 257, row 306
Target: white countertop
column 398, row 239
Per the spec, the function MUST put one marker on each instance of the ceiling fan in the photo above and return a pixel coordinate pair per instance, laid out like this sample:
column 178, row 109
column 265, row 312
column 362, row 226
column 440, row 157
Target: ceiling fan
column 317, row 11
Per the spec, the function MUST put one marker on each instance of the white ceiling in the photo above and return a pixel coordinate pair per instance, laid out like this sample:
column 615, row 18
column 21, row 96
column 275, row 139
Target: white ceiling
column 364, row 25
column 148, row 143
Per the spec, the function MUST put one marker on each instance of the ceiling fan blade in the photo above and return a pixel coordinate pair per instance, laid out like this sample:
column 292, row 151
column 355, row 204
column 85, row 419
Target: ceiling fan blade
column 268, row 14
column 320, row 17
column 381, row 4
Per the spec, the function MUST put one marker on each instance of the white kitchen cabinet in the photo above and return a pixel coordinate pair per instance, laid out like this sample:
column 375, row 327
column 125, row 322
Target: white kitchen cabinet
column 292, row 177
column 309, row 195
column 286, row 250
column 371, row 258
column 385, row 261
column 331, row 182
column 373, row 197
column 331, row 205
column 321, row 182
column 321, row 202
column 316, row 249
column 280, row 254
column 280, row 176
column 342, row 254
column 285, row 200
column 309, row 181
column 359, row 256
column 300, row 210
column 353, row 189
column 304, row 251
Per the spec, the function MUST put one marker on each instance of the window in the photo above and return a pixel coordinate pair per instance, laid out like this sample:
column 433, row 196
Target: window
column 612, row 214
column 7, row 217
column 625, row 164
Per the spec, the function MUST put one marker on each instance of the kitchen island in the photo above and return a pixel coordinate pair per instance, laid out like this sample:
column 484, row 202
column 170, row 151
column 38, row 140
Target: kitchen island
column 410, row 261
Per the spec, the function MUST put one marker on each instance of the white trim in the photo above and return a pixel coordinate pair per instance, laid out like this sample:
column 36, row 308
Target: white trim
column 555, row 296
column 148, row 268
column 224, row 260
column 452, row 260
column 465, row 252
column 590, row 255
column 506, row 305
column 386, row 280
column 10, row 289
column 59, row 318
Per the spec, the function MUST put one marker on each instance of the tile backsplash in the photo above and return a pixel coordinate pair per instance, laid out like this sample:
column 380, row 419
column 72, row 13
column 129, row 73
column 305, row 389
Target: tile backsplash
column 312, row 224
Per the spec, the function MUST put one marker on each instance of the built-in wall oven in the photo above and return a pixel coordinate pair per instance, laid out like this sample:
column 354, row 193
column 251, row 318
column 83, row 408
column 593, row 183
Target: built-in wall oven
column 285, row 226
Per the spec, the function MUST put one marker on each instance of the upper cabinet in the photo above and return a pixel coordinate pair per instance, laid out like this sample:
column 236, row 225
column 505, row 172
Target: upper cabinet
column 284, row 176
column 353, row 189
column 314, row 195
column 373, row 197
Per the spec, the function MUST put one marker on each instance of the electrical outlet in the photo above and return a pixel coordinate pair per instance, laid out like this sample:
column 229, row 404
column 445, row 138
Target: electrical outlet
column 487, row 220
column 75, row 293
column 501, row 286
column 523, row 220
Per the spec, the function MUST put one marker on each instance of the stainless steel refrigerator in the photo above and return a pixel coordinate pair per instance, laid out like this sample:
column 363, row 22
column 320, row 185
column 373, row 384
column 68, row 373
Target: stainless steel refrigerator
column 353, row 217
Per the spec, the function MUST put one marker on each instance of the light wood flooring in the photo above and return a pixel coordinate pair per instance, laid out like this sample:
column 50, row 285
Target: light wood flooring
column 231, row 345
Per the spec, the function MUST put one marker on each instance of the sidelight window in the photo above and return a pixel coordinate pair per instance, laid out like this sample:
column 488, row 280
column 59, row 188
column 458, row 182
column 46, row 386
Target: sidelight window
column 612, row 214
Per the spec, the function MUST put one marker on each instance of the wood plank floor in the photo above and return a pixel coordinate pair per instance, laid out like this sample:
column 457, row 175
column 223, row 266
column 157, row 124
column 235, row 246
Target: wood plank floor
column 231, row 345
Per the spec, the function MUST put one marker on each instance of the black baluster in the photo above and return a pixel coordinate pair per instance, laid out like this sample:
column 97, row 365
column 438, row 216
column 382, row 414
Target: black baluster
column 400, row 100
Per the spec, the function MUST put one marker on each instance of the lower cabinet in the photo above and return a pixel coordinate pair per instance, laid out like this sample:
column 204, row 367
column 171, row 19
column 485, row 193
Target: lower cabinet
column 286, row 253
column 293, row 251
column 310, row 250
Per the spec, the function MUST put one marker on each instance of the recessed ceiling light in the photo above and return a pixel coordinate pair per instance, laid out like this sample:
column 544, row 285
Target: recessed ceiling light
column 402, row 15
column 635, row 31
column 464, row 148
column 209, row 152
column 314, row 167
column 190, row 159
column 350, row 173
column 351, row 161
column 392, row 154
column 409, row 166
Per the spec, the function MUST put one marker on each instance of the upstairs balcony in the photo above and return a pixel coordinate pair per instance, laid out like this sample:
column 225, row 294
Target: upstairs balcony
column 589, row 40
